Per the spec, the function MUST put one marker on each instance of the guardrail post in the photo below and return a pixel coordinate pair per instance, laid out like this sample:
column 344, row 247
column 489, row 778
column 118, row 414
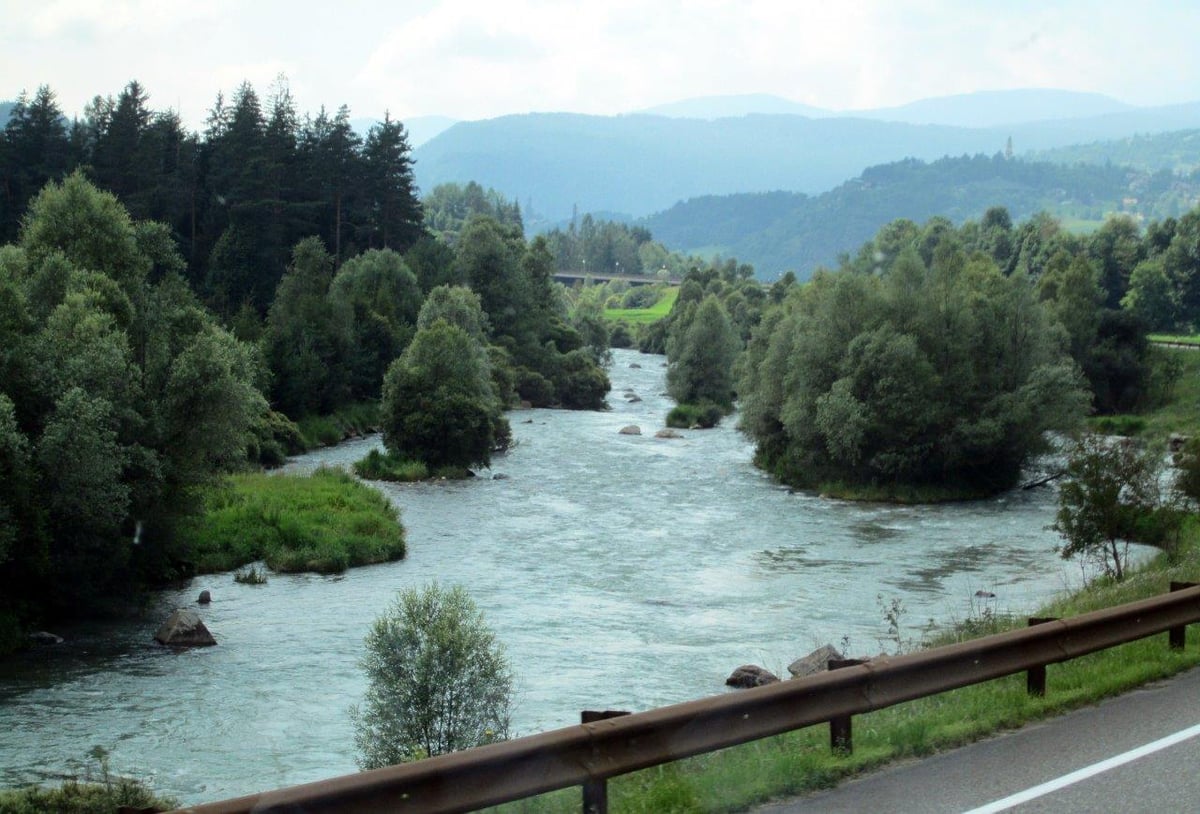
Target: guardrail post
column 1177, row 636
column 841, row 739
column 1035, row 677
column 595, row 792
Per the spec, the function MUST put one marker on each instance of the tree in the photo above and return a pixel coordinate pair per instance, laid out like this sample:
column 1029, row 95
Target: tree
column 309, row 336
column 1111, row 487
column 439, row 406
column 438, row 681
column 702, row 369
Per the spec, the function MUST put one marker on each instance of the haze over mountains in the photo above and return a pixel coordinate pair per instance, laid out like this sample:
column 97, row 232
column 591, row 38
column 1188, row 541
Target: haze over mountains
column 554, row 164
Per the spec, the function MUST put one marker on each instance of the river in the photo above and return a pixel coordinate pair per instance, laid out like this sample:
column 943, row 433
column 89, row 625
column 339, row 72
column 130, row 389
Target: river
column 619, row 571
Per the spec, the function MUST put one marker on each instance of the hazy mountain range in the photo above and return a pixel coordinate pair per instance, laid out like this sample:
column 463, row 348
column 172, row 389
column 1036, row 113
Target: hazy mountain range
column 637, row 164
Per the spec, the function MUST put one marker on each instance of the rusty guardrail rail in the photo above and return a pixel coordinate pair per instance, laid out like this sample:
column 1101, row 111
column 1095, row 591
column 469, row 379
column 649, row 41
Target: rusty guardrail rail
column 593, row 752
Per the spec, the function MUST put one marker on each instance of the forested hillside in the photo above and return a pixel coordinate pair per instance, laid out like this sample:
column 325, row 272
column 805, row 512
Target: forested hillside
column 782, row 231
column 1177, row 151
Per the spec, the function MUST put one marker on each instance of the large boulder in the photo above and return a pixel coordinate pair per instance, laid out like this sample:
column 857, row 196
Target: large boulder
column 667, row 432
column 183, row 628
column 815, row 662
column 750, row 675
column 632, row 429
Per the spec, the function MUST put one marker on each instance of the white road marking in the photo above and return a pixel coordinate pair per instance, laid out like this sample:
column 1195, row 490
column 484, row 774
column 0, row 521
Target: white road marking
column 1086, row 772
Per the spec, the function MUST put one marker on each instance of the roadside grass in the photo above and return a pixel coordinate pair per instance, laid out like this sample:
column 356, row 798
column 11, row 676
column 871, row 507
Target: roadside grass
column 324, row 522
column 644, row 316
column 801, row 762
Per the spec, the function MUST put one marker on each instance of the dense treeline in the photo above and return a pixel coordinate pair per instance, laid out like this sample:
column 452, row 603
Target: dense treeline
column 237, row 197
column 119, row 395
column 785, row 230
column 169, row 303
column 932, row 362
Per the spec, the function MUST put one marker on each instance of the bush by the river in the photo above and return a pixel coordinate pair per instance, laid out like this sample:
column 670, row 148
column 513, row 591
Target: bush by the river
column 325, row 522
column 943, row 376
column 385, row 466
column 705, row 416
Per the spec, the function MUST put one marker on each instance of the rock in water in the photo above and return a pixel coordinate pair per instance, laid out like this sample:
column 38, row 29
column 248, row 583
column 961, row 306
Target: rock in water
column 205, row 597
column 750, row 675
column 43, row 637
column 667, row 433
column 815, row 662
column 183, row 628
column 632, row 429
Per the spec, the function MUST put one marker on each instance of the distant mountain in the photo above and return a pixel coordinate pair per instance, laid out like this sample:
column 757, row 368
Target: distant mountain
column 723, row 107
column 639, row 164
column 1000, row 108
column 995, row 108
column 783, row 231
column 420, row 128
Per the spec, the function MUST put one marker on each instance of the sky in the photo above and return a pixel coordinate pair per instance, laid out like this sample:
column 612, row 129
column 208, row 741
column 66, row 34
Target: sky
column 473, row 59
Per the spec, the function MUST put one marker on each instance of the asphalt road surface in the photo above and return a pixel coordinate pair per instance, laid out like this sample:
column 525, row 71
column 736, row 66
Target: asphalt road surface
column 1136, row 753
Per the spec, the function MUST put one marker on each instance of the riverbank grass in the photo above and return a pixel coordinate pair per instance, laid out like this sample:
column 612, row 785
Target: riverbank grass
column 801, row 762
column 324, row 522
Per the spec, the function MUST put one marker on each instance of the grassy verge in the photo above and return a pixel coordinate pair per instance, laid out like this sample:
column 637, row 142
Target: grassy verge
column 799, row 762
column 324, row 522
column 385, row 466
column 644, row 316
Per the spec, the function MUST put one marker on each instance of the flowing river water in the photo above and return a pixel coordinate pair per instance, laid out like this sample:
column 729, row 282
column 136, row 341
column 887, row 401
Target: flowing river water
column 619, row 571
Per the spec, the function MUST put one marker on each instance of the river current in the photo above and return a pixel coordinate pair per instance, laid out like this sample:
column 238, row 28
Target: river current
column 619, row 571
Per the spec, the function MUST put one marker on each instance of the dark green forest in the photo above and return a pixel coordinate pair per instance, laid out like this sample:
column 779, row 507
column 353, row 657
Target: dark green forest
column 172, row 303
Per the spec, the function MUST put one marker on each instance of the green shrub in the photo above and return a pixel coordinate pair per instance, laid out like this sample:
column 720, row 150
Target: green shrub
column 621, row 336
column 438, row 681
column 534, row 388
column 686, row 416
column 1126, row 425
column 384, row 466
column 250, row 576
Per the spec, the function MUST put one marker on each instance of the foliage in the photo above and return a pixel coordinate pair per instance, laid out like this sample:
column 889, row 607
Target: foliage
column 385, row 466
column 438, row 681
column 325, row 522
column 1111, row 486
column 687, row 416
column 937, row 375
column 702, row 366
column 250, row 575
column 439, row 406
column 123, row 397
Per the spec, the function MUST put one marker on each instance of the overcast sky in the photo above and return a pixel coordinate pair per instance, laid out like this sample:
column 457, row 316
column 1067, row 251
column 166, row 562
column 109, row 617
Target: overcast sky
column 472, row 59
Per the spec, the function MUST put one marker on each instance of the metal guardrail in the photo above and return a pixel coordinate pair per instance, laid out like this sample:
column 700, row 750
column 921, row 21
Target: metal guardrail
column 593, row 752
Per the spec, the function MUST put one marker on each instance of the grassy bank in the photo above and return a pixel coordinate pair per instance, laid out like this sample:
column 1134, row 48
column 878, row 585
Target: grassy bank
column 644, row 316
column 350, row 421
column 325, row 522
column 799, row 762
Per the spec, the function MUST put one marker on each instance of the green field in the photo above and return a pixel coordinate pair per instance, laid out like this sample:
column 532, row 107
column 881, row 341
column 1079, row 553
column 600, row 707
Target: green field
column 644, row 316
column 1193, row 339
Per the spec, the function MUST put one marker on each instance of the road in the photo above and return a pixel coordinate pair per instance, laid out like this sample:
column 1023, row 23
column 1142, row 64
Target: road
column 1136, row 753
